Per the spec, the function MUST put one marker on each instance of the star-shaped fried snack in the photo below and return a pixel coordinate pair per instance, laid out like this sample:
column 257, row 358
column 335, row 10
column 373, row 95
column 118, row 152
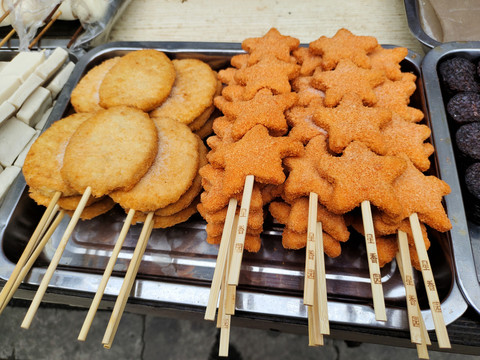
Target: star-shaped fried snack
column 258, row 154
column 303, row 128
column 303, row 177
column 222, row 126
column 214, row 198
column 267, row 73
column 351, row 121
column 308, row 60
column 344, row 45
column 240, row 61
column 408, row 138
column 395, row 95
column 255, row 216
column 359, row 175
column 272, row 44
column 348, row 78
column 295, row 241
column 265, row 109
column 306, row 92
column 422, row 194
column 388, row 60
column 233, row 91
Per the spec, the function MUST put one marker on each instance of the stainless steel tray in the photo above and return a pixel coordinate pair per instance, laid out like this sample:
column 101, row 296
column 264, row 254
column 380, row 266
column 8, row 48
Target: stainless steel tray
column 415, row 24
column 178, row 264
column 465, row 234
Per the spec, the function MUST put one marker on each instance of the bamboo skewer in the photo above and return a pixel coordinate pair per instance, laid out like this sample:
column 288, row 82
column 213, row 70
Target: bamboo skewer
column 34, row 256
column 309, row 279
column 44, row 30
column 29, row 248
column 373, row 266
column 7, row 37
column 27, row 321
column 4, row 16
column 221, row 261
column 106, row 276
column 430, row 287
column 240, row 232
column 128, row 282
column 321, row 282
column 403, row 258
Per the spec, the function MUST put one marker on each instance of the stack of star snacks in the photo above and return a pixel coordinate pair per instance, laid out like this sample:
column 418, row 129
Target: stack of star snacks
column 347, row 100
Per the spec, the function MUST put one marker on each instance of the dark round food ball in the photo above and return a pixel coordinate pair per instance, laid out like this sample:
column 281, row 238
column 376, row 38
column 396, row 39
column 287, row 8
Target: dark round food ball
column 472, row 179
column 459, row 74
column 468, row 140
column 464, row 107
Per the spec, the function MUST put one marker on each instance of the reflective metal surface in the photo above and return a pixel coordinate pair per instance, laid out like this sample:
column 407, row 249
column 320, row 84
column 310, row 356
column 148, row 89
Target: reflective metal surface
column 415, row 25
column 465, row 234
column 178, row 264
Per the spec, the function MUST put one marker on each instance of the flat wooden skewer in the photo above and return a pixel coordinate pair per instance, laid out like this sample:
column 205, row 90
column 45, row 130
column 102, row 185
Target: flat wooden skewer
column 128, row 282
column 425, row 339
column 373, row 266
column 430, row 287
column 29, row 248
column 5, row 14
column 27, row 321
column 309, row 278
column 34, row 256
column 403, row 258
column 224, row 316
column 45, row 28
column 106, row 276
column 221, row 261
column 321, row 282
column 7, row 37
column 240, row 232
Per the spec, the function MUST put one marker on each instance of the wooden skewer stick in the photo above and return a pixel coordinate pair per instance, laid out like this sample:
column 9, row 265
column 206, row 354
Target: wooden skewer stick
column 403, row 258
column 7, row 37
column 5, row 14
column 29, row 248
column 106, row 276
column 48, row 223
column 425, row 339
column 309, row 278
column 373, row 266
column 224, row 315
column 221, row 261
column 34, row 256
column 430, row 287
column 27, row 321
column 44, row 30
column 128, row 282
column 240, row 232
column 321, row 281
column 230, row 290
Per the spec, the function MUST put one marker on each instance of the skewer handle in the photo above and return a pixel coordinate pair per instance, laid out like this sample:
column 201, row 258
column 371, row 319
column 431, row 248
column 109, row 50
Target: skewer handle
column 221, row 260
column 29, row 248
column 240, row 232
column 128, row 282
column 230, row 290
column 309, row 278
column 106, row 276
column 321, row 282
column 430, row 287
column 32, row 310
column 373, row 266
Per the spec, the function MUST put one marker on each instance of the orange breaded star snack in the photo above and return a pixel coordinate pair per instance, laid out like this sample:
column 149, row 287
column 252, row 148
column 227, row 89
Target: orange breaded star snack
column 303, row 176
column 344, row 45
column 272, row 44
column 303, row 128
column 265, row 109
column 350, row 121
column 348, row 78
column 240, row 61
column 258, row 154
column 295, row 241
column 308, row 60
column 388, row 60
column 268, row 73
column 142, row 79
column 408, row 138
column 255, row 216
column 252, row 242
column 387, row 248
column 423, row 195
column 360, row 174
column 307, row 94
column 395, row 95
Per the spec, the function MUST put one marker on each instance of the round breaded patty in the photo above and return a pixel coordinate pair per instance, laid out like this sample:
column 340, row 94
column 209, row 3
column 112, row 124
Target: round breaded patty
column 192, row 93
column 192, row 192
column 85, row 96
column 111, row 150
column 44, row 160
column 96, row 209
column 171, row 174
column 65, row 202
column 142, row 79
column 161, row 222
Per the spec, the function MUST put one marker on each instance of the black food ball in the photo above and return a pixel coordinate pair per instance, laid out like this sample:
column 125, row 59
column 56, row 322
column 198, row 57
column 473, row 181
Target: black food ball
column 458, row 74
column 464, row 107
column 468, row 140
column 472, row 179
